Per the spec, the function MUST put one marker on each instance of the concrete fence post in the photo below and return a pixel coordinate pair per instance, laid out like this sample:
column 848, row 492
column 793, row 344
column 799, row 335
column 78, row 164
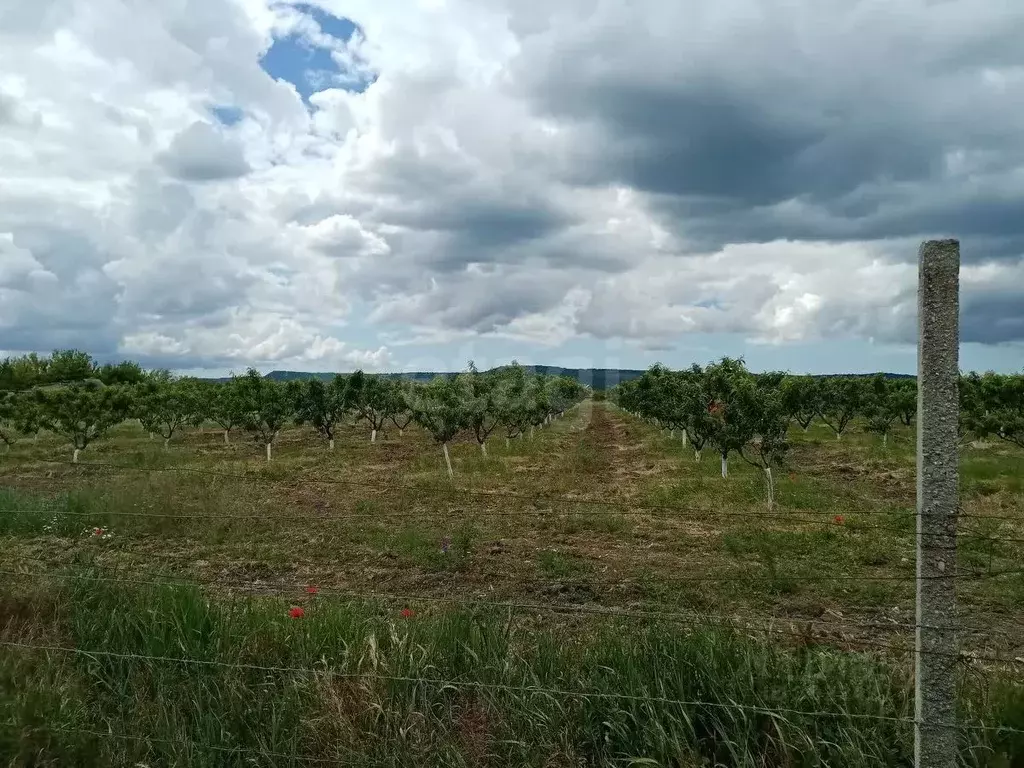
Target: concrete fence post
column 938, row 378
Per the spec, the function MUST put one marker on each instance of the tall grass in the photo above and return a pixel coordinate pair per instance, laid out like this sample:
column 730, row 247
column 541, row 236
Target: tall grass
column 370, row 690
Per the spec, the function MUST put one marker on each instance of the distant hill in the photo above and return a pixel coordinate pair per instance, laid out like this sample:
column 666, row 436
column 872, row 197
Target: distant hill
column 596, row 378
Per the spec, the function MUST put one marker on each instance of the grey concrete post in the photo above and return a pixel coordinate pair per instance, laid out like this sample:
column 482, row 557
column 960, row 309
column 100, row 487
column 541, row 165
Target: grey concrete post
column 938, row 378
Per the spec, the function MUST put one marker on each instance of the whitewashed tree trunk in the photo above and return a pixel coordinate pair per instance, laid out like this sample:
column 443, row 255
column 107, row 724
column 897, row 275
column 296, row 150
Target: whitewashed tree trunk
column 771, row 487
column 447, row 459
column 227, row 440
column 725, row 466
column 885, row 439
column 35, row 438
column 508, row 444
column 331, row 443
column 696, row 455
column 152, row 436
column 483, row 448
column 167, row 441
column 684, row 438
column 531, row 431
column 373, row 436
column 401, row 432
column 74, row 456
column 268, row 451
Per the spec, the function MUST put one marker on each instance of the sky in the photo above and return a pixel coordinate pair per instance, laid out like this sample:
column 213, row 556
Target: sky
column 205, row 185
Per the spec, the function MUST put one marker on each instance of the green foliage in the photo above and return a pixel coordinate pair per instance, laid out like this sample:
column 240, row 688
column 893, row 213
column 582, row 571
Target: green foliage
column 19, row 415
column 993, row 404
column 64, row 366
column 440, row 408
column 881, row 404
column 167, row 408
column 801, row 397
column 904, row 399
column 373, row 398
column 265, row 405
column 82, row 413
column 321, row 404
column 842, row 399
column 481, row 407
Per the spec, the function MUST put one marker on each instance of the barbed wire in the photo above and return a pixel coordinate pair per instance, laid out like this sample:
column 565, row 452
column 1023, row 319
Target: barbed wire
column 637, row 507
column 505, row 687
column 702, row 620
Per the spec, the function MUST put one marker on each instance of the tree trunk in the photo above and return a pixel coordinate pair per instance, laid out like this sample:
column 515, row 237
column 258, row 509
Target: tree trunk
column 74, row 456
column 696, row 456
column 35, row 438
column 508, row 444
column 331, row 443
column 771, row 487
column 885, row 439
column 401, row 432
column 152, row 436
column 483, row 448
column 684, row 438
column 166, row 441
column 725, row 466
column 373, row 436
column 447, row 459
column 531, row 431
column 227, row 440
column 268, row 451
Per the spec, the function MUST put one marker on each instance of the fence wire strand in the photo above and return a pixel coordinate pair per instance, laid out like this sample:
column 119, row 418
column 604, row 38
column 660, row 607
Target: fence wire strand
column 504, row 687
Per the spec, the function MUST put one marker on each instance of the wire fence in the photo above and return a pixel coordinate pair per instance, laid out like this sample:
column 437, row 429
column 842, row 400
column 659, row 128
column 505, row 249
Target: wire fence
column 842, row 633
column 806, row 630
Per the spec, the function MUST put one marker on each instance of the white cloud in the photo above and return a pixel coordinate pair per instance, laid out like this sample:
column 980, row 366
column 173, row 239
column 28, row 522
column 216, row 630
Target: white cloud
column 538, row 172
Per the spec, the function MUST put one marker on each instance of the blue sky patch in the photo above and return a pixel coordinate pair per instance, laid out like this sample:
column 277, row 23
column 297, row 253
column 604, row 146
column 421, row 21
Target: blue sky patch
column 309, row 67
column 227, row 115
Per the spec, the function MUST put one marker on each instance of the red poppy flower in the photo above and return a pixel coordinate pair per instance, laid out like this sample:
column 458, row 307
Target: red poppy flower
column 296, row 612
column 311, row 590
column 407, row 613
column 838, row 519
column 97, row 531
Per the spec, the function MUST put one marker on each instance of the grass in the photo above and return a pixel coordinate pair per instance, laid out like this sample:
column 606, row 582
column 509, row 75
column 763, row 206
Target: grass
column 647, row 529
column 347, row 689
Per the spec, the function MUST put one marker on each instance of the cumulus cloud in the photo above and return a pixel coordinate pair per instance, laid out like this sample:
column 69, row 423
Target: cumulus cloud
column 200, row 153
column 209, row 183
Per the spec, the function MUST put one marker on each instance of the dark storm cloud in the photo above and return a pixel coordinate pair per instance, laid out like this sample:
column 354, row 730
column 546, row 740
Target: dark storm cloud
column 878, row 122
column 992, row 319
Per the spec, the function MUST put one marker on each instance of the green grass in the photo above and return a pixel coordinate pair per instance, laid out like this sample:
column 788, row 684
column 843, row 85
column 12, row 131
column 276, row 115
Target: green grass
column 385, row 518
column 437, row 689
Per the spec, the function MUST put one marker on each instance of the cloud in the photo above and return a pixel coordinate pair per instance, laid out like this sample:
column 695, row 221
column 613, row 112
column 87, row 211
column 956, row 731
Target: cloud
column 201, row 153
column 539, row 173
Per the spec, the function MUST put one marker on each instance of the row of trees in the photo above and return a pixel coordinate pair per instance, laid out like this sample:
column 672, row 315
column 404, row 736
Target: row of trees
column 510, row 399
column 723, row 406
column 736, row 412
column 64, row 366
